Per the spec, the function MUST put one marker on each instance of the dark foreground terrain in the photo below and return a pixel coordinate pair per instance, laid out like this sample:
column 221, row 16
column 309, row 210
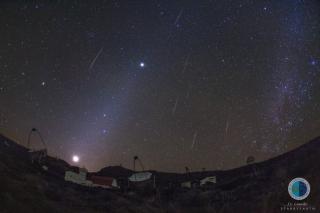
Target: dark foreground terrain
column 259, row 187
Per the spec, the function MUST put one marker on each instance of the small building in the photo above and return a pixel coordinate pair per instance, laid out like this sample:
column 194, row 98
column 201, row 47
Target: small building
column 208, row 181
column 104, row 182
column 93, row 181
column 79, row 178
column 191, row 184
column 186, row 184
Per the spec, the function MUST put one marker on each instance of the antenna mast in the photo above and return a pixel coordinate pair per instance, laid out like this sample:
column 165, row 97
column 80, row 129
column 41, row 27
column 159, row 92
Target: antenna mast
column 136, row 158
column 34, row 130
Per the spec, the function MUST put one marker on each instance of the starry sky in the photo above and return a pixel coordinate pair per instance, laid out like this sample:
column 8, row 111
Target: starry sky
column 203, row 84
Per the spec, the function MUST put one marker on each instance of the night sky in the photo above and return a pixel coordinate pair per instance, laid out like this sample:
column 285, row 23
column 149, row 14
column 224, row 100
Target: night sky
column 203, row 84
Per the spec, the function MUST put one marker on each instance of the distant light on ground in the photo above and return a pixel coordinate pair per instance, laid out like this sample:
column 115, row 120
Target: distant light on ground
column 75, row 158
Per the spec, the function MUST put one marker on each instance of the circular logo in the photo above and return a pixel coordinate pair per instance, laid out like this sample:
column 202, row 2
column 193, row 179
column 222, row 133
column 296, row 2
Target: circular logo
column 299, row 188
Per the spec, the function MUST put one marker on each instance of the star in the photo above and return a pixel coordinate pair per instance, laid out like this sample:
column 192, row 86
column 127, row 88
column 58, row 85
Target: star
column 43, row 83
column 142, row 64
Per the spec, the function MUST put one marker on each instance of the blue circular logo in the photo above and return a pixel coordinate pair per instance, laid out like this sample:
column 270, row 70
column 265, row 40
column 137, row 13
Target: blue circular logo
column 299, row 188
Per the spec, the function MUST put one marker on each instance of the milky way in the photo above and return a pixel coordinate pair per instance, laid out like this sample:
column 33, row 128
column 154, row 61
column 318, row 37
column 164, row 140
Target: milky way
column 202, row 84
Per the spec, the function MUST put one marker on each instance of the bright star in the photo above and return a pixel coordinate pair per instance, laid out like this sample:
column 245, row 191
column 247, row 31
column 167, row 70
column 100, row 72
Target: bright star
column 142, row 64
